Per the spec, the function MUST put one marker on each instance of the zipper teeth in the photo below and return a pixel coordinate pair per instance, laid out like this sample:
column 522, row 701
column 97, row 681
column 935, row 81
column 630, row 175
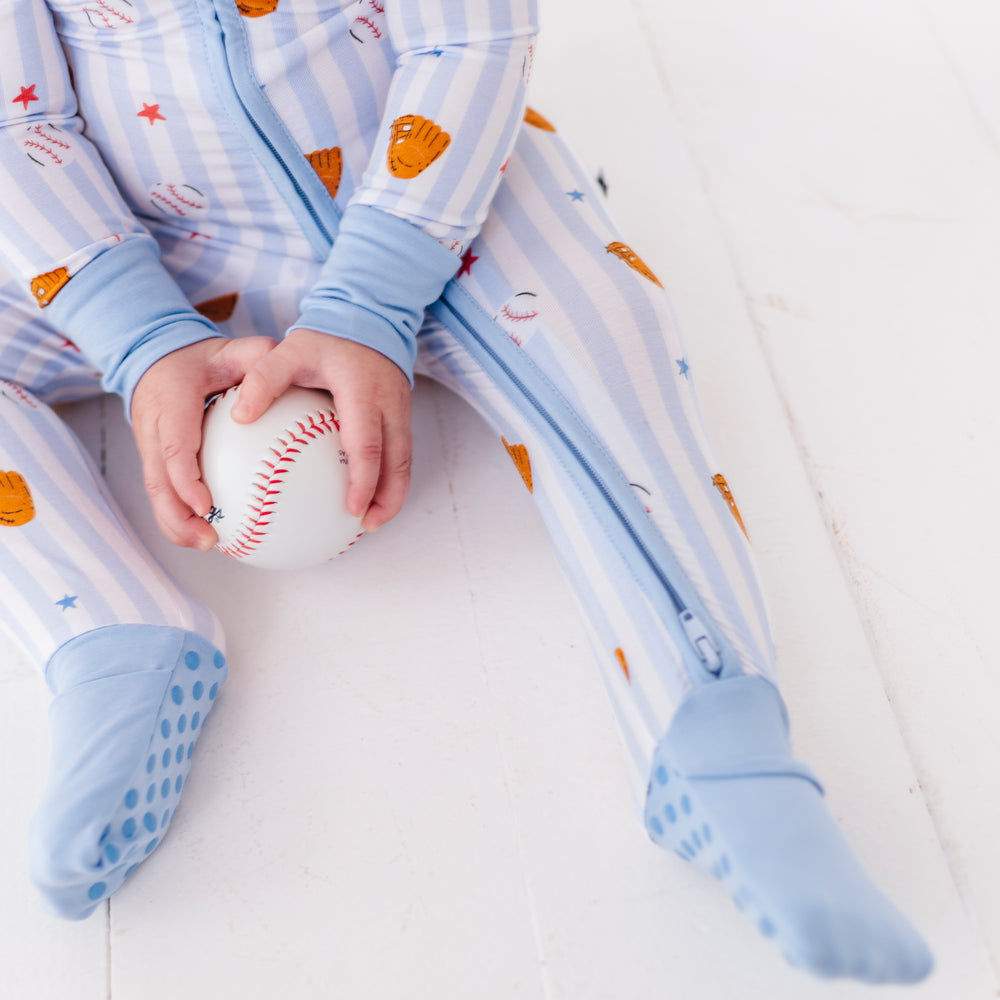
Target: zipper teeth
column 711, row 664
column 300, row 192
column 679, row 604
column 606, row 493
column 306, row 200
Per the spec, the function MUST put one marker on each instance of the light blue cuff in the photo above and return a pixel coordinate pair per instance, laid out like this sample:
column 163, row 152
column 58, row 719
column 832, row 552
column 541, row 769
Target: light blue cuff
column 380, row 276
column 733, row 728
column 125, row 312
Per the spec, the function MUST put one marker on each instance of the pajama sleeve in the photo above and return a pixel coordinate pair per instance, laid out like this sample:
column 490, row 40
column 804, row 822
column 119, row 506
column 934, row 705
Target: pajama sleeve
column 65, row 231
column 454, row 108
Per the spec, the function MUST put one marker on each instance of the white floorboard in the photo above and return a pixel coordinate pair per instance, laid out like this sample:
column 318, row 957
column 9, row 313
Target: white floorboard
column 412, row 787
column 851, row 157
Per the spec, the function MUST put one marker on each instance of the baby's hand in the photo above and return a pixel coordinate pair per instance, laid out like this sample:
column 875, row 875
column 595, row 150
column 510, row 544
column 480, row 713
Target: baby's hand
column 372, row 400
column 168, row 407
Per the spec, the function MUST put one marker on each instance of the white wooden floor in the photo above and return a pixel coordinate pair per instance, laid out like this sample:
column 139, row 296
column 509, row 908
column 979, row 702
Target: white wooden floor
column 412, row 787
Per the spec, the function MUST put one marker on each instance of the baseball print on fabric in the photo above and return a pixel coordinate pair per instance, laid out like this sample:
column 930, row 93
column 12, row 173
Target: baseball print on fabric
column 16, row 505
column 48, row 145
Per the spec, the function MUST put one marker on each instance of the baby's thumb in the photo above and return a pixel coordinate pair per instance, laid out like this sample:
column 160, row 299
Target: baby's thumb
column 236, row 359
column 263, row 384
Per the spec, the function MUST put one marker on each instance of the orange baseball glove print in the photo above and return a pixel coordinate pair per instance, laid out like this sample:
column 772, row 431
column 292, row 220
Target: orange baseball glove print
column 634, row 261
column 256, row 8
column 16, row 505
column 519, row 456
column 623, row 663
column 329, row 167
column 47, row 286
column 532, row 117
column 219, row 309
column 415, row 143
column 719, row 481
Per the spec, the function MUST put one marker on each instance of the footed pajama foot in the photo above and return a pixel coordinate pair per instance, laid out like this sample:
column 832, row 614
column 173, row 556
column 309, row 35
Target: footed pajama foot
column 727, row 794
column 130, row 703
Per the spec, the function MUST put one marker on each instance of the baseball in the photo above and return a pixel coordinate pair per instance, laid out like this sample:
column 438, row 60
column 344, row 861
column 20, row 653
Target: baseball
column 278, row 485
column 370, row 23
column 182, row 200
column 111, row 14
column 48, row 145
column 518, row 317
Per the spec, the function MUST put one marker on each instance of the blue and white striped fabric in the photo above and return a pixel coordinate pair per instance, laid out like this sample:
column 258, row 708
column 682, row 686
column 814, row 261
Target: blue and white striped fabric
column 237, row 141
column 255, row 126
column 546, row 318
column 75, row 565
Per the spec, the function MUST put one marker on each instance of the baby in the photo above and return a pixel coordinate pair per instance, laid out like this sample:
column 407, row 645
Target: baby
column 200, row 193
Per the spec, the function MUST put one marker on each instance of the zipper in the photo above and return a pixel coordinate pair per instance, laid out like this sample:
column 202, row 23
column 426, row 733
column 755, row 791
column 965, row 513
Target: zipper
column 299, row 191
column 705, row 648
column 244, row 90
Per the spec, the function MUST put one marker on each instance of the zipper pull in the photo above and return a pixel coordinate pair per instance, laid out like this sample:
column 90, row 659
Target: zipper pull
column 708, row 652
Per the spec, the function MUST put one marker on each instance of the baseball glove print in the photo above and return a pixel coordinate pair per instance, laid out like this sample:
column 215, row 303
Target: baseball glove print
column 414, row 145
column 329, row 167
column 16, row 505
column 634, row 261
column 45, row 287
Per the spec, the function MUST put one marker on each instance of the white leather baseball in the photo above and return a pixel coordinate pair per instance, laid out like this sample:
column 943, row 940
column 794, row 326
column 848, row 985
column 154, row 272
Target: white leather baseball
column 278, row 485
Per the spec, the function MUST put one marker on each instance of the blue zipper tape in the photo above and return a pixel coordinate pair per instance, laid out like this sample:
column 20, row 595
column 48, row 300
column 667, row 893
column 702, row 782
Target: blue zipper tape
column 247, row 106
column 709, row 655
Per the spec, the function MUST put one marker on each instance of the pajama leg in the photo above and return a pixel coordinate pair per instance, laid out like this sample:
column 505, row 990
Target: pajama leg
column 562, row 338
column 560, row 335
column 134, row 663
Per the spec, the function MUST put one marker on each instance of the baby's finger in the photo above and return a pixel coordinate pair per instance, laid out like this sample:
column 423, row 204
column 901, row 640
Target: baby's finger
column 176, row 519
column 394, row 481
column 361, row 439
column 180, row 441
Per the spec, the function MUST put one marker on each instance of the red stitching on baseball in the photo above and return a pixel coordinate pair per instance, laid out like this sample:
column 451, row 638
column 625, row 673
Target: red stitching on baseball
column 349, row 544
column 177, row 209
column 103, row 8
column 184, row 201
column 252, row 531
column 20, row 393
column 54, row 139
column 517, row 317
column 370, row 25
column 44, row 149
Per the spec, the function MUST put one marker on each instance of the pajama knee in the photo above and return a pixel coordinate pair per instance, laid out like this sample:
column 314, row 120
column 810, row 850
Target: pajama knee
column 130, row 702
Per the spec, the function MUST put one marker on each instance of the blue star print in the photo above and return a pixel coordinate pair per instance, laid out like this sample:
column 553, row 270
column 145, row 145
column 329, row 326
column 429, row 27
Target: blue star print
column 67, row 602
column 575, row 195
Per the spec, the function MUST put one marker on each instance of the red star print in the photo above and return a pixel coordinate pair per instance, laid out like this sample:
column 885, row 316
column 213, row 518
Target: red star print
column 151, row 111
column 468, row 259
column 26, row 96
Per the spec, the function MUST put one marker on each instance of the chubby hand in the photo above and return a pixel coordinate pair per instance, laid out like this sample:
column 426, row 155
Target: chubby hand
column 168, row 407
column 372, row 400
